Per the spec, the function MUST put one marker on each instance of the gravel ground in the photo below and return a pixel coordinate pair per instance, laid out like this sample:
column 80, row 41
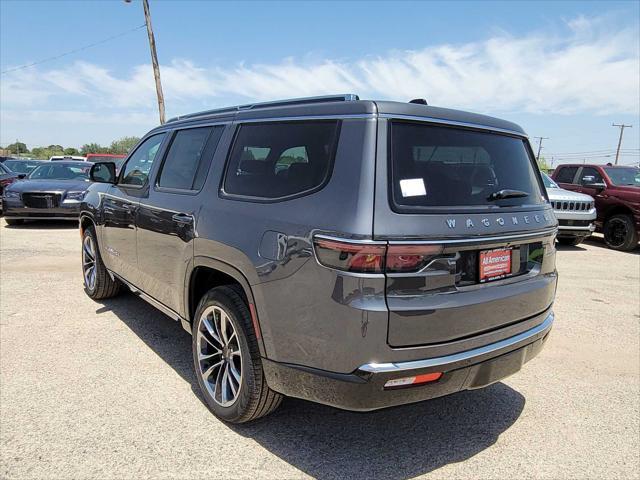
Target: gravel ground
column 106, row 390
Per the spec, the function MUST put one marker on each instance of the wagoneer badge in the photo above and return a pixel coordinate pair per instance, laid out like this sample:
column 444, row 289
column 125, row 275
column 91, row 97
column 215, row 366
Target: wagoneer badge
column 501, row 221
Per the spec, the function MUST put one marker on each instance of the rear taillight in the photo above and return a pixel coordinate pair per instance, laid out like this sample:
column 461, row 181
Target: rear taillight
column 374, row 257
column 410, row 258
column 7, row 181
column 350, row 257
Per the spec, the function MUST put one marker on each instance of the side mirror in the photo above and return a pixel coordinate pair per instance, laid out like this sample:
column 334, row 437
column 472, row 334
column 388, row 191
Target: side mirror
column 103, row 172
column 22, row 176
column 596, row 185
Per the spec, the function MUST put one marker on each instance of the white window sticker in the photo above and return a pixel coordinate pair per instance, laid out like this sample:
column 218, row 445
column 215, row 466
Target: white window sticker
column 413, row 187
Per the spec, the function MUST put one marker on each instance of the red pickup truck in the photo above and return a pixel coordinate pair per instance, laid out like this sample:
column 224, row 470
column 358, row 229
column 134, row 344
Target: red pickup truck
column 616, row 190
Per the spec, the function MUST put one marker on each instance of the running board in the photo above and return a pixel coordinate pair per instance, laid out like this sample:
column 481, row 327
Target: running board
column 186, row 325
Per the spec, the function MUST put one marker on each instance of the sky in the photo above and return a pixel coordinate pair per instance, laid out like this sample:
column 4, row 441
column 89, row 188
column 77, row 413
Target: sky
column 562, row 70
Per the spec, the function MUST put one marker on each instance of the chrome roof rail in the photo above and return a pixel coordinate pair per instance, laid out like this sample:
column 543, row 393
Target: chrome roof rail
column 348, row 97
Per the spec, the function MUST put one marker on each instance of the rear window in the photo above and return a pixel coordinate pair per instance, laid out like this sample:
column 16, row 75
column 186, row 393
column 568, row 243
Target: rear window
column 566, row 174
column 624, row 176
column 435, row 166
column 185, row 166
column 275, row 160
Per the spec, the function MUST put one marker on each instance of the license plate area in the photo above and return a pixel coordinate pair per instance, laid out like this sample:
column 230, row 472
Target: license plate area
column 494, row 264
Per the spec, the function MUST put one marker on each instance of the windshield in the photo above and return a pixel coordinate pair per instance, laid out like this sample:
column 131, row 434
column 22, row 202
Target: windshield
column 20, row 167
column 548, row 182
column 624, row 176
column 437, row 166
column 61, row 172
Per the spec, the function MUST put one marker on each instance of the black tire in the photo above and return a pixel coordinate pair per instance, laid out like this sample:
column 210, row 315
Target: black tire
column 620, row 233
column 254, row 398
column 13, row 221
column 103, row 285
column 571, row 241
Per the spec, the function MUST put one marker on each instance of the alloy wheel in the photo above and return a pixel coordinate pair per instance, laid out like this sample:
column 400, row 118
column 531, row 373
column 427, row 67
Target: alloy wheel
column 89, row 262
column 219, row 356
column 616, row 232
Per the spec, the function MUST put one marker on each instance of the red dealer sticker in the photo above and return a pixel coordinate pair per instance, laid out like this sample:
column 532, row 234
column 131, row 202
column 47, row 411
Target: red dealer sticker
column 495, row 264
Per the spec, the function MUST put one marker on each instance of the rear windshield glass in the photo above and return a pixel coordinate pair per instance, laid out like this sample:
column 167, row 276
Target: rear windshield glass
column 624, row 176
column 104, row 158
column 435, row 166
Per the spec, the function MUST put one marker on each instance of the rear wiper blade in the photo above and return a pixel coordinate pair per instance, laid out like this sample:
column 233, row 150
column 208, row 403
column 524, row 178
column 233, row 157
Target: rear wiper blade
column 500, row 194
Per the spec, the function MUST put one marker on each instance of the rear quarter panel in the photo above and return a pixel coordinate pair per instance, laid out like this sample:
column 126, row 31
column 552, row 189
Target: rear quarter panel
column 271, row 245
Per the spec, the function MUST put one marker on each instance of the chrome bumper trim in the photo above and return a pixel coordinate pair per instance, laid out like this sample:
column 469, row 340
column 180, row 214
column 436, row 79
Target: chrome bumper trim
column 589, row 228
column 444, row 362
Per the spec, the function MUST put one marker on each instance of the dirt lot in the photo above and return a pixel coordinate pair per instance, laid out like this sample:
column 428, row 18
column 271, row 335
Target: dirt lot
column 106, row 390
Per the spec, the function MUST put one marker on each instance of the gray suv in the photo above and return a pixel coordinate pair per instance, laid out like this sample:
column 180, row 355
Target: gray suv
column 360, row 254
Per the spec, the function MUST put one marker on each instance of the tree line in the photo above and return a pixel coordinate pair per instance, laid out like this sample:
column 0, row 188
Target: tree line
column 118, row 147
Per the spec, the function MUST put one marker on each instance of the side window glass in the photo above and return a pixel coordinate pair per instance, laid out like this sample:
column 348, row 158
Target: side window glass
column 136, row 170
column 273, row 160
column 590, row 175
column 566, row 174
column 183, row 159
column 289, row 157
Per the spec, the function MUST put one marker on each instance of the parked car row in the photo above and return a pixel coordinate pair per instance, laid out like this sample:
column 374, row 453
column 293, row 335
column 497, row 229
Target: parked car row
column 576, row 212
column 616, row 190
column 52, row 190
column 276, row 233
column 585, row 198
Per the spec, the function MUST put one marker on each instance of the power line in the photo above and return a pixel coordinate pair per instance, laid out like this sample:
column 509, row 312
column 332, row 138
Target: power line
column 597, row 151
column 606, row 154
column 72, row 51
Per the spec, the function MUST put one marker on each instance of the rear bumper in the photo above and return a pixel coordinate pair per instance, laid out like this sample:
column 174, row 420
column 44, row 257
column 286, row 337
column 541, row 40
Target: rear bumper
column 364, row 389
column 565, row 231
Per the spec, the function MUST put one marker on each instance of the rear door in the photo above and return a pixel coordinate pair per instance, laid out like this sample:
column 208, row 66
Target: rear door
column 566, row 178
column 119, row 207
column 461, row 261
column 166, row 220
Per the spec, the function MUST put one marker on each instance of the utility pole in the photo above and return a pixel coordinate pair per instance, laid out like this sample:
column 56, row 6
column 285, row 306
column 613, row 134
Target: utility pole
column 622, row 127
column 154, row 58
column 540, row 146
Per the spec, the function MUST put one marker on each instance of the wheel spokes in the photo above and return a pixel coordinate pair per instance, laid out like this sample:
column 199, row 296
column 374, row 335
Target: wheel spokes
column 212, row 332
column 210, row 370
column 219, row 356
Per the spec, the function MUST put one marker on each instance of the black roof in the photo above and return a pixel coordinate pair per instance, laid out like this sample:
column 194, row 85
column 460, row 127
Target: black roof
column 347, row 104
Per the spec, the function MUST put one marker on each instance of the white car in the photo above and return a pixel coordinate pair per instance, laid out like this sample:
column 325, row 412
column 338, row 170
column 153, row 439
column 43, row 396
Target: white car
column 576, row 212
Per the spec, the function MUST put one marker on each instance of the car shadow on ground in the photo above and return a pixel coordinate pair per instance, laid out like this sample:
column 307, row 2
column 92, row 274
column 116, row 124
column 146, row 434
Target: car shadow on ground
column 44, row 225
column 598, row 241
column 569, row 248
column 327, row 443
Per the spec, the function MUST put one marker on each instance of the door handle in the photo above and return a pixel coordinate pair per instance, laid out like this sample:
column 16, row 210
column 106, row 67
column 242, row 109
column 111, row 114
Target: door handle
column 182, row 218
